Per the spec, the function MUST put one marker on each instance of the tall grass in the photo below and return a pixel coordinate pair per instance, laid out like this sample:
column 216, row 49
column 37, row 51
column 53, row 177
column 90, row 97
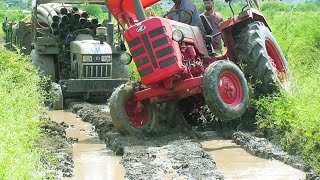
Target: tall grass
column 293, row 120
column 20, row 111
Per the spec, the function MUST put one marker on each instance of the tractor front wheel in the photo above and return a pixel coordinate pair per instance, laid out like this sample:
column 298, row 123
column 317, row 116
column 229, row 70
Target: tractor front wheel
column 225, row 90
column 127, row 115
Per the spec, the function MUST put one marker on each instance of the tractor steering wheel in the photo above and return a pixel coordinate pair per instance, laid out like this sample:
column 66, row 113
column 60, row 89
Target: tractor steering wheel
column 178, row 11
column 82, row 31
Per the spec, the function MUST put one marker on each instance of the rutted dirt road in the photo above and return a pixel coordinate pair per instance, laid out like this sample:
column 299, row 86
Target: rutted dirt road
column 175, row 154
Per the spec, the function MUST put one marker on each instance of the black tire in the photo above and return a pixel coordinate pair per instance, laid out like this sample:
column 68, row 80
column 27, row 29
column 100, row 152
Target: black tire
column 262, row 59
column 119, row 71
column 217, row 77
column 118, row 100
column 57, row 96
column 45, row 64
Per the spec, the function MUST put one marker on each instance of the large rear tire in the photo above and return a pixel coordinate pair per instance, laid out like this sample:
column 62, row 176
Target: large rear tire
column 225, row 90
column 124, row 115
column 264, row 63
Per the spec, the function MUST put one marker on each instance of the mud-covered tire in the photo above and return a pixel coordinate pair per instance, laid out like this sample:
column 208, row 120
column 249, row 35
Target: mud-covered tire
column 57, row 96
column 119, row 71
column 45, row 63
column 263, row 62
column 121, row 102
column 225, row 90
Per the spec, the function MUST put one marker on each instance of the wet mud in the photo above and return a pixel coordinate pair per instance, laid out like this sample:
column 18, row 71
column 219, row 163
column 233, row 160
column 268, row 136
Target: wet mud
column 262, row 148
column 171, row 155
column 183, row 153
column 235, row 163
column 57, row 150
column 92, row 160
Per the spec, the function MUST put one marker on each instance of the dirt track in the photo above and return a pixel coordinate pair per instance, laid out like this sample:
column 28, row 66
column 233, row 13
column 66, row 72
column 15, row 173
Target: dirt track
column 177, row 153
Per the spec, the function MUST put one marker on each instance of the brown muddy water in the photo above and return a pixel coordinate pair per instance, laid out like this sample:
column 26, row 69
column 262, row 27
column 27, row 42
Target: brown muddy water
column 92, row 160
column 235, row 163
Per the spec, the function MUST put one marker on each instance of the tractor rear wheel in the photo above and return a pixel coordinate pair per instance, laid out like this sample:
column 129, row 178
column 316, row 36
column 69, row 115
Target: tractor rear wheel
column 263, row 61
column 124, row 112
column 225, row 90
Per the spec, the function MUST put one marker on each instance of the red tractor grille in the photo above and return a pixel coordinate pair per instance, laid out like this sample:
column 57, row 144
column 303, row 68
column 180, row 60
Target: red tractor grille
column 153, row 51
column 155, row 44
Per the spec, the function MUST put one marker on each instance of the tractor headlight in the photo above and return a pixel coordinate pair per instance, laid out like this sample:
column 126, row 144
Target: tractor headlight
column 177, row 35
column 87, row 58
column 125, row 58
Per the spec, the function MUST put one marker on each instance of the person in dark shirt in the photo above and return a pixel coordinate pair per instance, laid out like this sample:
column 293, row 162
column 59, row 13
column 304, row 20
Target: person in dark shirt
column 187, row 5
column 214, row 18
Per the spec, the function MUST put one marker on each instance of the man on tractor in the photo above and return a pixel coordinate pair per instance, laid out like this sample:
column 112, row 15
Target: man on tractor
column 190, row 13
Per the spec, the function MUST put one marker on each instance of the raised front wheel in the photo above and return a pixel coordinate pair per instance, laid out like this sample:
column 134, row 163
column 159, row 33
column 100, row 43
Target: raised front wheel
column 130, row 116
column 225, row 90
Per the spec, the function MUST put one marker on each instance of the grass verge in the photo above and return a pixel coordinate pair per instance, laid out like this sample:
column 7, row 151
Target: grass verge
column 20, row 111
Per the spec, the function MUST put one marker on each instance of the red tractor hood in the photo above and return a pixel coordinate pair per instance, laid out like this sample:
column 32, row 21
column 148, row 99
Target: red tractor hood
column 125, row 8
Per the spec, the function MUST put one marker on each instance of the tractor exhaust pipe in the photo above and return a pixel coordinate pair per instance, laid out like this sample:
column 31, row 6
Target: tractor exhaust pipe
column 139, row 10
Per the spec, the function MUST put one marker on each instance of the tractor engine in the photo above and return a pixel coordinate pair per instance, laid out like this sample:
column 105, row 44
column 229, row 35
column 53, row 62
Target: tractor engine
column 165, row 50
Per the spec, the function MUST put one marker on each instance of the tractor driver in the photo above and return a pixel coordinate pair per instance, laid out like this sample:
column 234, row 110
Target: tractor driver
column 183, row 17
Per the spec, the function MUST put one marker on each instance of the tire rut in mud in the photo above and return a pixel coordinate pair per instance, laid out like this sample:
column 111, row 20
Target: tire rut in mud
column 263, row 148
column 173, row 154
column 57, row 149
column 177, row 153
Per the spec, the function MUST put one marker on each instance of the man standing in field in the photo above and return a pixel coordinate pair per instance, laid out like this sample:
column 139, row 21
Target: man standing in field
column 214, row 18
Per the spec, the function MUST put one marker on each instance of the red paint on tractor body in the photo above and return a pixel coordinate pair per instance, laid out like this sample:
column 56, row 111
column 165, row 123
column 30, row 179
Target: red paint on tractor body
column 230, row 89
column 156, row 55
column 138, row 118
column 123, row 10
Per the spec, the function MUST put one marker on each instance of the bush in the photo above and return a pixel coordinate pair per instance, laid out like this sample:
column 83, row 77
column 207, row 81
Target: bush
column 275, row 7
column 20, row 111
column 307, row 7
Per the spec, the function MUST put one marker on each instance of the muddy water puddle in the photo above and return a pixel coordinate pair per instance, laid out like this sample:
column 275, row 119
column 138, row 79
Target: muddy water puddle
column 92, row 160
column 235, row 163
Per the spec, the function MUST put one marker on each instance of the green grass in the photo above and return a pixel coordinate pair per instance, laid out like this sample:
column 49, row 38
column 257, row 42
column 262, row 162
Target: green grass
column 20, row 111
column 293, row 120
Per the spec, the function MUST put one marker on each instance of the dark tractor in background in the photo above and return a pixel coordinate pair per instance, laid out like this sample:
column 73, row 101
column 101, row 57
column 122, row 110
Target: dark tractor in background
column 78, row 53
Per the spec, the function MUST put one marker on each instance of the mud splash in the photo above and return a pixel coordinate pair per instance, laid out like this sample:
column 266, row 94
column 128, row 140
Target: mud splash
column 92, row 160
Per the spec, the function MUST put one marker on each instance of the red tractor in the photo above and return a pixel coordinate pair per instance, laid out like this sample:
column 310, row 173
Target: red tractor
column 176, row 63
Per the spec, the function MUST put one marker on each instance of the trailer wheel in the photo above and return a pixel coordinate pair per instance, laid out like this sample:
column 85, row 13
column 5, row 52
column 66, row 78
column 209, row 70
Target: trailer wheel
column 57, row 99
column 124, row 115
column 264, row 63
column 225, row 90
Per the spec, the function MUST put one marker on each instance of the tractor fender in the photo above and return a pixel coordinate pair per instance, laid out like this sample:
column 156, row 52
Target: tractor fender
column 230, row 27
column 244, row 18
column 45, row 63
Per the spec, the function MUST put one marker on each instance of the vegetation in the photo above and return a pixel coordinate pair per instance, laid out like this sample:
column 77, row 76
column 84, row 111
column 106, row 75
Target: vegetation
column 21, row 109
column 293, row 120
